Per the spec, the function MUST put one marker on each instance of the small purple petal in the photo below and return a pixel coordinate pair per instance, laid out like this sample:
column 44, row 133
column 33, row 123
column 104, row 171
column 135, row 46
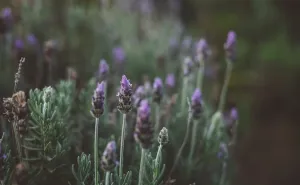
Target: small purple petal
column 19, row 44
column 144, row 109
column 103, row 67
column 140, row 90
column 100, row 88
column 231, row 40
column 118, row 54
column 196, row 97
column 157, row 83
column 6, row 13
column 125, row 83
column 234, row 114
column 170, row 80
column 31, row 39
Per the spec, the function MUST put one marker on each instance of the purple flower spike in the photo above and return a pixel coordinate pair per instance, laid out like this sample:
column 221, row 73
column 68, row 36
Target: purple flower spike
column 170, row 80
column 6, row 13
column 140, row 91
column 125, row 83
column 125, row 95
column 196, row 98
column 98, row 100
column 109, row 157
column 230, row 45
column 118, row 54
column 157, row 90
column 234, row 114
column 139, row 95
column 31, row 39
column 202, row 50
column 143, row 128
column 158, row 84
column 103, row 69
column 196, row 104
column 19, row 44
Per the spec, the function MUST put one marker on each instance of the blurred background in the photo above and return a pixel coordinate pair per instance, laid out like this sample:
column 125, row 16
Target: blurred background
column 67, row 38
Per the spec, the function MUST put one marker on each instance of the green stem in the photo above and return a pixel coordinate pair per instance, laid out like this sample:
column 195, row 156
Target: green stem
column 142, row 167
column 122, row 146
column 183, row 94
column 200, row 75
column 187, row 133
column 105, row 102
column 225, row 85
column 223, row 175
column 193, row 142
column 157, row 117
column 96, row 156
column 17, row 140
column 107, row 176
column 157, row 161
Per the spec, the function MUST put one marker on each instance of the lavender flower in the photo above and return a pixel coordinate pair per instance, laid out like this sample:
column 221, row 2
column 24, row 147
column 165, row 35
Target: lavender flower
column 98, row 101
column 187, row 66
column 31, row 40
column 6, row 14
column 202, row 50
column 223, row 151
column 109, row 157
column 19, row 44
column 103, row 69
column 187, row 42
column 170, row 80
column 144, row 129
column 138, row 96
column 118, row 54
column 230, row 46
column 231, row 120
column 157, row 90
column 125, row 93
column 197, row 104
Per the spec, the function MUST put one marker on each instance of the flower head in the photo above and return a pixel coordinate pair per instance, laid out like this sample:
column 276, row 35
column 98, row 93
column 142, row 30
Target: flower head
column 187, row 66
column 230, row 45
column 143, row 128
column 202, row 50
column 125, row 94
column 139, row 95
column 119, row 54
column 109, row 157
column 163, row 137
column 31, row 39
column 103, row 69
column 157, row 90
column 223, row 151
column 170, row 80
column 19, row 44
column 196, row 104
column 98, row 100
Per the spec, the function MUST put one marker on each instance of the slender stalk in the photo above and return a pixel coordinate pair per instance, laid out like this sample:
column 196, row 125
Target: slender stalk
column 105, row 102
column 200, row 75
column 183, row 93
column 96, row 156
column 157, row 117
column 107, row 176
column 187, row 133
column 223, row 175
column 225, row 85
column 17, row 140
column 193, row 142
column 157, row 161
column 122, row 146
column 142, row 167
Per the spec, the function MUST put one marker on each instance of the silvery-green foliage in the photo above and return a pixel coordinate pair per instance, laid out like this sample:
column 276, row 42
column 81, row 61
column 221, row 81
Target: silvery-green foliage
column 65, row 98
column 157, row 168
column 8, row 163
column 47, row 139
column 84, row 169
